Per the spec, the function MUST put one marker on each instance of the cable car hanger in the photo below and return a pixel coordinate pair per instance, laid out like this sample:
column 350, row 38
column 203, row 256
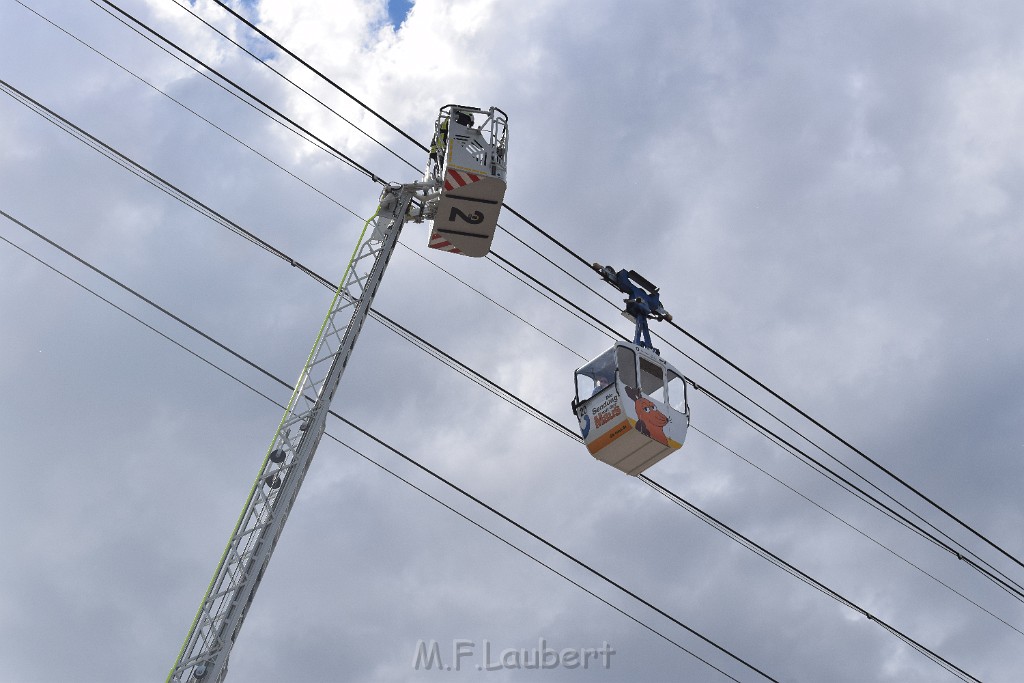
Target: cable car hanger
column 643, row 301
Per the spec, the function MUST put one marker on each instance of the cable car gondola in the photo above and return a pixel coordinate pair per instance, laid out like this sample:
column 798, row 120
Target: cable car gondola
column 468, row 158
column 631, row 404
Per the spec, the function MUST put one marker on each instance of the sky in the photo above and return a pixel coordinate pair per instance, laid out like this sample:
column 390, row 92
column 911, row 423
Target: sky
column 828, row 194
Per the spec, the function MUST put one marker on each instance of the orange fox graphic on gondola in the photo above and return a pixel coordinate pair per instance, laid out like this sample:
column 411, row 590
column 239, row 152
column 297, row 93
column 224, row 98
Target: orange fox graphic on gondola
column 650, row 421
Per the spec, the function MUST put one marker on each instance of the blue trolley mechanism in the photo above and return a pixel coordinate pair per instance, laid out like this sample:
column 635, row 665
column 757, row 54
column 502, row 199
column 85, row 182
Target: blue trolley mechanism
column 631, row 404
column 468, row 158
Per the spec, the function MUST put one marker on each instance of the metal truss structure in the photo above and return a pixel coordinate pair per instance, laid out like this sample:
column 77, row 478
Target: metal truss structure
column 204, row 656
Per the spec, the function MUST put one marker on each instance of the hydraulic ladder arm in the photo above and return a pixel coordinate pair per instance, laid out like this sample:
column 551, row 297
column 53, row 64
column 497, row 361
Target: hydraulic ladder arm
column 204, row 656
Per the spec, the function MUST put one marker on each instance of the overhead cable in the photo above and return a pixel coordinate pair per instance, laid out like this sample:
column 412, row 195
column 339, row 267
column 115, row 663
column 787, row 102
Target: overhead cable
column 853, row 528
column 790, row 569
column 1006, row 583
column 510, row 544
column 187, row 108
column 270, row 66
column 322, row 75
column 150, row 177
column 495, row 302
column 126, row 17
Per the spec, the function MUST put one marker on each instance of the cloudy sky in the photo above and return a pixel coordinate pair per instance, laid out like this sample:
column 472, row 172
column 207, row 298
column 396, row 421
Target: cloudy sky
column 829, row 194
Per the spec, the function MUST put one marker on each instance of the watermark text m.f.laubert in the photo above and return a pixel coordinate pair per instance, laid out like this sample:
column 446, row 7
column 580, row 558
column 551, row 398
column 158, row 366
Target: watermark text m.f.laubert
column 482, row 654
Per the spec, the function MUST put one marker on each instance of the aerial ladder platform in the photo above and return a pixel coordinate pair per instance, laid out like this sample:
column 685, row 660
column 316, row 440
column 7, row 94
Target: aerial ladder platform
column 469, row 219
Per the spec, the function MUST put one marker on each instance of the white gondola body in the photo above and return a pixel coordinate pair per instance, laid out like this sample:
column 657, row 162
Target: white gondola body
column 472, row 176
column 632, row 420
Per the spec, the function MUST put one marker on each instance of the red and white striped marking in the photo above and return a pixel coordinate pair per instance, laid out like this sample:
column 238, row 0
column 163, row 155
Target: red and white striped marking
column 438, row 242
column 455, row 179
